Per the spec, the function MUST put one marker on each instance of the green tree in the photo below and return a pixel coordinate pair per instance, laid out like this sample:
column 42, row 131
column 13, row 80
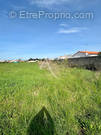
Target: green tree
column 99, row 54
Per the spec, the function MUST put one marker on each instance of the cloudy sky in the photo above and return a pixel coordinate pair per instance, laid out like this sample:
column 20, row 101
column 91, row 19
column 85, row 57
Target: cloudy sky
column 48, row 28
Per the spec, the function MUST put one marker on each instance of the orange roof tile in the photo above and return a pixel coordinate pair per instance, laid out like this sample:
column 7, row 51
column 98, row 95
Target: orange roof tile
column 89, row 52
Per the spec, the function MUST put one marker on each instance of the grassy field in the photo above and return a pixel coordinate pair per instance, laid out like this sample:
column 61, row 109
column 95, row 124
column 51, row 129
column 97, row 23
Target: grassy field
column 34, row 102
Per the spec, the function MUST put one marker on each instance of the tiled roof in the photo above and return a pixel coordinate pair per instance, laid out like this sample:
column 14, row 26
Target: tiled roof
column 89, row 52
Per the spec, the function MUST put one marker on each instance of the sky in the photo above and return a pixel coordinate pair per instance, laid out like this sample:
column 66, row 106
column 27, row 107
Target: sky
column 48, row 28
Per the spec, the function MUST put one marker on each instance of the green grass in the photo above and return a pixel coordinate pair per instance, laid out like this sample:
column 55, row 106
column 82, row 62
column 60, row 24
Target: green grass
column 72, row 101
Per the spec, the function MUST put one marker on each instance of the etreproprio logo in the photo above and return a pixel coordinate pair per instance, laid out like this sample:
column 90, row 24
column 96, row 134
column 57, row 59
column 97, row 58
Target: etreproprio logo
column 50, row 15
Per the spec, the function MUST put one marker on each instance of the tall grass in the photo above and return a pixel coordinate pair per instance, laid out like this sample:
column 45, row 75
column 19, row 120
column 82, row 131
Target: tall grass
column 73, row 100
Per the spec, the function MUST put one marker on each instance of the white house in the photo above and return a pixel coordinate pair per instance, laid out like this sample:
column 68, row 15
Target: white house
column 64, row 57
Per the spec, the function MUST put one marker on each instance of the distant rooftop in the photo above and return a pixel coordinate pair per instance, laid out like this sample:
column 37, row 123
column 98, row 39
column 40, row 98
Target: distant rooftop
column 89, row 52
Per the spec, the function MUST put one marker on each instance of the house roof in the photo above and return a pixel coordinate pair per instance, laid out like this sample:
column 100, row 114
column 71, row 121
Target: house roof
column 89, row 52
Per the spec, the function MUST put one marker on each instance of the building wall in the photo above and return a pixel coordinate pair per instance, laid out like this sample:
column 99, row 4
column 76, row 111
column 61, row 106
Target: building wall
column 86, row 62
column 79, row 54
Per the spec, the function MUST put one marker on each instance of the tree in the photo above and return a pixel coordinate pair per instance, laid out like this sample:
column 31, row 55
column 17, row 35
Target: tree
column 99, row 54
column 30, row 59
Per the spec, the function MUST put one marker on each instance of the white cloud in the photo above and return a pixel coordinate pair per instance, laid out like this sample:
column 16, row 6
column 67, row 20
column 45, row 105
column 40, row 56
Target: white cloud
column 77, row 4
column 71, row 30
column 63, row 24
column 18, row 7
column 46, row 3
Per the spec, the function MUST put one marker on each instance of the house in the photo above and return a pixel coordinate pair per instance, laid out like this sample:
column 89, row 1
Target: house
column 64, row 57
column 85, row 54
column 13, row 61
column 2, row 61
column 31, row 60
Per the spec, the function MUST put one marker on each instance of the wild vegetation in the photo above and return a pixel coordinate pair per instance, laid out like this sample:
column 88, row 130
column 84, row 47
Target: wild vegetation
column 34, row 102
